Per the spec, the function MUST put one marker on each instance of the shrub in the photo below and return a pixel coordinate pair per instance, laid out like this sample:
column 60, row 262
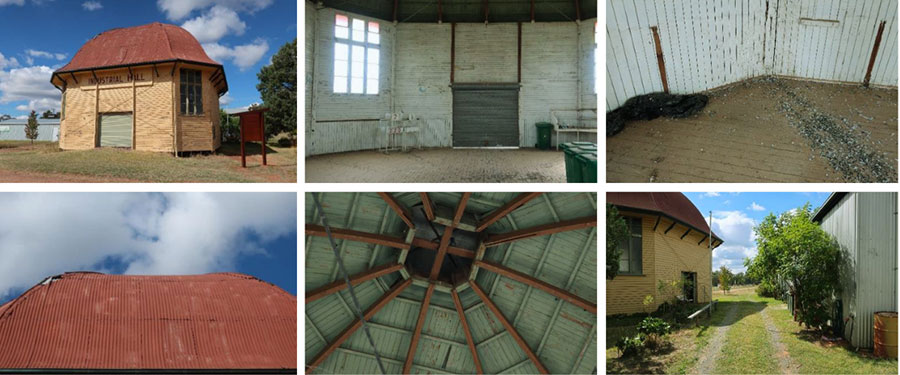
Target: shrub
column 654, row 326
column 285, row 142
column 630, row 345
column 767, row 289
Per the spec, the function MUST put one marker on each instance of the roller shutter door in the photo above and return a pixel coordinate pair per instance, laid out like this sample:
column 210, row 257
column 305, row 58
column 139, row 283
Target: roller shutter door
column 486, row 116
column 115, row 130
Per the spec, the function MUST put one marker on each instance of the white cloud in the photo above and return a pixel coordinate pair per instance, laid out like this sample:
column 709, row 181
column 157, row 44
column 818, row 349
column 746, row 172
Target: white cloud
column 44, row 54
column 8, row 62
column 225, row 100
column 30, row 84
column 710, row 194
column 244, row 56
column 756, row 207
column 736, row 229
column 215, row 24
column 12, row 2
column 43, row 234
column 179, row 9
column 92, row 5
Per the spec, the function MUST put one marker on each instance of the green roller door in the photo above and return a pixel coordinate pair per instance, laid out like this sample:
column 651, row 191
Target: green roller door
column 486, row 115
column 115, row 130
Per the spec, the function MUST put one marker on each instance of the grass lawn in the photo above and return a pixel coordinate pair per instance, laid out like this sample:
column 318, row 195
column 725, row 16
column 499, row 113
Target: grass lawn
column 747, row 345
column 20, row 162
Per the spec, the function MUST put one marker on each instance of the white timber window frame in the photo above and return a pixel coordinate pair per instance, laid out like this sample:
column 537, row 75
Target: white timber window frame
column 357, row 56
column 631, row 260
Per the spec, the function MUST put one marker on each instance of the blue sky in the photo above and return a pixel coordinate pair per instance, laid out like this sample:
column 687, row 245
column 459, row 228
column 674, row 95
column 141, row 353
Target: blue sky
column 46, row 234
column 735, row 214
column 42, row 35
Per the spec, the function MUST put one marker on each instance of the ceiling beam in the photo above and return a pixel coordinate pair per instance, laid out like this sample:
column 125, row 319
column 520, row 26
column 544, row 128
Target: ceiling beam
column 428, row 205
column 487, row 10
column 460, row 208
column 467, row 330
column 419, row 324
column 541, row 230
column 396, row 5
column 532, row 11
column 440, row 12
column 539, row 284
column 458, row 251
column 509, row 328
column 577, row 11
column 398, row 208
column 442, row 252
column 355, row 235
column 356, row 279
column 347, row 332
column 506, row 209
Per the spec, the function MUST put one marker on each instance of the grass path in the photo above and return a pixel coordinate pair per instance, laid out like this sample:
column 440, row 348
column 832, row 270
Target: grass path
column 785, row 363
column 708, row 359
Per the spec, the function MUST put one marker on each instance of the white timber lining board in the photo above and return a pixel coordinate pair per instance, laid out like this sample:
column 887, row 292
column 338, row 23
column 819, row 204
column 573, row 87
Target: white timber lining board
column 486, row 53
column 423, row 90
column 712, row 43
column 310, row 43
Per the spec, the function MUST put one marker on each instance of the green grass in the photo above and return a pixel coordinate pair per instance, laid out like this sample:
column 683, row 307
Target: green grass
column 815, row 357
column 46, row 158
column 747, row 347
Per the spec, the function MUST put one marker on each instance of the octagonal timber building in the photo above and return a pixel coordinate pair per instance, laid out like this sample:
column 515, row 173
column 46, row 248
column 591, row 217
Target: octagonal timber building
column 90, row 322
column 451, row 283
column 147, row 88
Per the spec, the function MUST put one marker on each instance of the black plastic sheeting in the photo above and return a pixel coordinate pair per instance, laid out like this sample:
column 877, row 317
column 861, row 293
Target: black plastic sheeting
column 651, row 106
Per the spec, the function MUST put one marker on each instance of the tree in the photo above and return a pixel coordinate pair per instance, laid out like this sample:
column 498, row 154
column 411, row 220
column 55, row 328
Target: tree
column 715, row 278
column 796, row 254
column 31, row 130
column 616, row 232
column 48, row 114
column 725, row 278
column 278, row 89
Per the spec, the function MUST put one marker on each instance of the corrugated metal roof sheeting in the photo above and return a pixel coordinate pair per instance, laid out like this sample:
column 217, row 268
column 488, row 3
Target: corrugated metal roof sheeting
column 97, row 321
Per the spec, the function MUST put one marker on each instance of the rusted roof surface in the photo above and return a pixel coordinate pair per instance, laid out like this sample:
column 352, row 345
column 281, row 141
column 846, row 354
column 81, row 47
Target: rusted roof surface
column 149, row 43
column 674, row 205
column 98, row 321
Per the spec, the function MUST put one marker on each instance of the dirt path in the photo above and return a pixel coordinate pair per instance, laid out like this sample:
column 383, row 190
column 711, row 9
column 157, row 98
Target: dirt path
column 785, row 363
column 707, row 362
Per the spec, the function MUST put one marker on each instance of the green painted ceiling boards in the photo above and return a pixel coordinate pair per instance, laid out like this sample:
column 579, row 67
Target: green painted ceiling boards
column 561, row 334
column 470, row 10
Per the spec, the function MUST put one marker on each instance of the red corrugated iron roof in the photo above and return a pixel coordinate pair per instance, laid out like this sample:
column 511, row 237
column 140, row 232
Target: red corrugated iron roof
column 155, row 42
column 675, row 205
column 97, row 321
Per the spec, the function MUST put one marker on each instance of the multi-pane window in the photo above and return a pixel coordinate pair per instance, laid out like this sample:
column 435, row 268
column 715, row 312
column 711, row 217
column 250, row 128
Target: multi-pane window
column 191, row 92
column 356, row 56
column 630, row 261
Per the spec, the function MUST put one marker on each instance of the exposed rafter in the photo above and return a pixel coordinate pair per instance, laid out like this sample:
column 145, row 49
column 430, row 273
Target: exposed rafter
column 460, row 208
column 539, row 284
column 506, row 209
column 658, row 218
column 685, row 233
column 347, row 332
column 458, row 251
column 356, row 279
column 705, row 236
column 509, row 328
column 399, row 208
column 577, row 11
column 669, row 228
column 541, row 230
column 442, row 252
column 429, row 207
column 423, row 312
column 355, row 235
column 466, row 330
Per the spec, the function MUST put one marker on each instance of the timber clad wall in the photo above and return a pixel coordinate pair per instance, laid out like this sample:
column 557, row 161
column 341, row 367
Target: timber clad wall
column 711, row 43
column 150, row 100
column 557, row 74
column 665, row 257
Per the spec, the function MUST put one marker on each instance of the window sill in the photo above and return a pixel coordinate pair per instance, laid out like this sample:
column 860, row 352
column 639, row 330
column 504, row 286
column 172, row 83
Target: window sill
column 631, row 274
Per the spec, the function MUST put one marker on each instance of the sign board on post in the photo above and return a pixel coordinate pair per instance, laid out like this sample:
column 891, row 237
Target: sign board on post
column 253, row 129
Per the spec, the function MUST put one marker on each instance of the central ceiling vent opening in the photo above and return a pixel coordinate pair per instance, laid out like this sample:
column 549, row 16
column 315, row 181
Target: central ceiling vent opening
column 454, row 269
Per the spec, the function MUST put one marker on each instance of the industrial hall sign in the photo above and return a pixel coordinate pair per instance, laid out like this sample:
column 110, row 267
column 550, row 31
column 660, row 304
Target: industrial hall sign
column 113, row 79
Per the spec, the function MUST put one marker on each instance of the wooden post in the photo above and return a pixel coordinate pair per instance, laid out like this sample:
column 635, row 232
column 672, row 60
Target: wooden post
column 243, row 154
column 262, row 134
column 874, row 54
column 659, row 59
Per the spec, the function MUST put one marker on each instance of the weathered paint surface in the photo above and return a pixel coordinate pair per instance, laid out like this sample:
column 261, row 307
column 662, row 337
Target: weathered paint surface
column 561, row 334
column 557, row 74
column 865, row 227
column 711, row 43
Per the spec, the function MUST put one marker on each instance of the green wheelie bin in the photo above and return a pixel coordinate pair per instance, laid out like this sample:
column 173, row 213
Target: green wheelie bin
column 588, row 164
column 544, row 132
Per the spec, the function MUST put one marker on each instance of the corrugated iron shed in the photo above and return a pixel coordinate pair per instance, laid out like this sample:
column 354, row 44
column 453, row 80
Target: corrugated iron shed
column 547, row 238
column 93, row 321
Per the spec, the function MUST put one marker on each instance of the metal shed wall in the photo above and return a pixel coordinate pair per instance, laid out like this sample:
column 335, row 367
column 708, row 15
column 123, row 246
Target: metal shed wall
column 710, row 43
column 16, row 132
column 865, row 227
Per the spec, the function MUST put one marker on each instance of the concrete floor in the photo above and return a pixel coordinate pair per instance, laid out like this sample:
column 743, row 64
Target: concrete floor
column 438, row 165
column 766, row 130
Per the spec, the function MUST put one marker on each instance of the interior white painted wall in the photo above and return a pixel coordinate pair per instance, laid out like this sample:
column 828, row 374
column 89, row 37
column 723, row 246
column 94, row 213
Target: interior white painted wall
column 711, row 43
column 557, row 73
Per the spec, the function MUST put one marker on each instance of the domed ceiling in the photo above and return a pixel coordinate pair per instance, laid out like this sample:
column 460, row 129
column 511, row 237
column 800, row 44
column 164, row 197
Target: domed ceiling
column 449, row 283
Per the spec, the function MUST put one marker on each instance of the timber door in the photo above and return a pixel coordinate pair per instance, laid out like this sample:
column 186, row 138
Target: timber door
column 689, row 282
column 115, row 129
column 486, row 115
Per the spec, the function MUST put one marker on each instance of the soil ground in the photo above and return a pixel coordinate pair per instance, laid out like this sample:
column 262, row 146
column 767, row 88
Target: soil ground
column 438, row 165
column 766, row 130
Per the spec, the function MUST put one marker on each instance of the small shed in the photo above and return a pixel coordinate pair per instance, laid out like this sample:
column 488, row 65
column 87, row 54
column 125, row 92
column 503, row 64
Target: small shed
column 14, row 130
column 865, row 227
